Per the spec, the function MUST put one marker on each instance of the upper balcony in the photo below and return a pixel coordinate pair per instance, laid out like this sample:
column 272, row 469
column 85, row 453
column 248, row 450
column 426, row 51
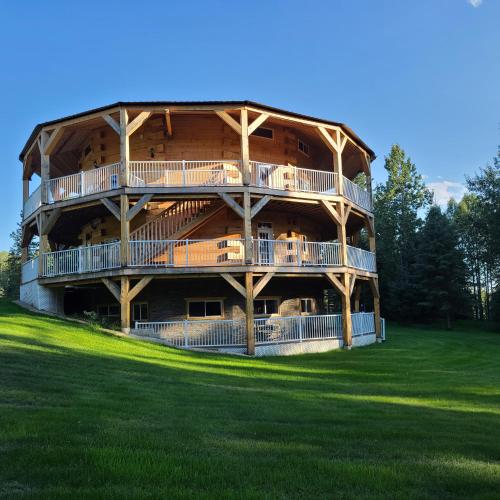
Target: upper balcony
column 162, row 146
column 184, row 173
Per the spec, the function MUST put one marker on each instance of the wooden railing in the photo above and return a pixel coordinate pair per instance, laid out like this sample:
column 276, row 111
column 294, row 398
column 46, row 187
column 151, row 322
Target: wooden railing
column 84, row 183
column 361, row 259
column 81, row 260
column 33, row 202
column 184, row 173
column 289, row 178
column 271, row 330
column 357, row 195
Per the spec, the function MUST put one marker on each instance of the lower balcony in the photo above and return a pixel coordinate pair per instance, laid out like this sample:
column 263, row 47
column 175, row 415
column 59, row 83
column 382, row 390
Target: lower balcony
column 204, row 253
column 273, row 335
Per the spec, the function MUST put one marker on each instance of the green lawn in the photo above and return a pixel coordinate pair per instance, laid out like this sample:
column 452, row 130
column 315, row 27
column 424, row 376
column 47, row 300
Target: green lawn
column 86, row 415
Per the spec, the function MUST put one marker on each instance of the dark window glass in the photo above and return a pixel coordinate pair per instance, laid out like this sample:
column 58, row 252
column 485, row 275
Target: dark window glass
column 213, row 308
column 271, row 306
column 197, row 309
column 259, row 307
column 306, row 305
column 267, row 133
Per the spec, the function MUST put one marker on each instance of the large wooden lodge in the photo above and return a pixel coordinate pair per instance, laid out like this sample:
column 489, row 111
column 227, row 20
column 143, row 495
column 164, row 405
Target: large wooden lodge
column 215, row 225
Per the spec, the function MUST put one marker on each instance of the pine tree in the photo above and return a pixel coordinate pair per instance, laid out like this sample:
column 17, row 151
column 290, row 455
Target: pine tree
column 440, row 285
column 397, row 203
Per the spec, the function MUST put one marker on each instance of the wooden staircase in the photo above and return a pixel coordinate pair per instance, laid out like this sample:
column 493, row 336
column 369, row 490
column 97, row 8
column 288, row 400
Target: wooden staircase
column 177, row 221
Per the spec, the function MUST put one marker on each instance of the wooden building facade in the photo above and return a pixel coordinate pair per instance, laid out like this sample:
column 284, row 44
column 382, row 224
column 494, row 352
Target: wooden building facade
column 233, row 215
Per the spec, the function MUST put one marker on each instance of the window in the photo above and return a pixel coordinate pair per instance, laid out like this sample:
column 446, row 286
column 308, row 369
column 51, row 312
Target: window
column 266, row 133
column 306, row 306
column 303, row 147
column 265, row 307
column 205, row 308
column 109, row 310
column 140, row 311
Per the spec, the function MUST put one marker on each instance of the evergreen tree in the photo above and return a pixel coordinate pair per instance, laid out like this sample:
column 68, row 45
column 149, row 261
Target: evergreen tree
column 396, row 207
column 440, row 285
column 11, row 271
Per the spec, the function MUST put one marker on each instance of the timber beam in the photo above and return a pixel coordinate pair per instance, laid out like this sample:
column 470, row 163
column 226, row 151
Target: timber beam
column 233, row 204
column 112, row 207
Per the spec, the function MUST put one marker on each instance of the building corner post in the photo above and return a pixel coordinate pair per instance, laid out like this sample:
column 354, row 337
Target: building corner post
column 249, row 314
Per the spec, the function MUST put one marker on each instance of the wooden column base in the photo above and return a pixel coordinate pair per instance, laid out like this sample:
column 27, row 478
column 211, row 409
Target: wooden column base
column 249, row 314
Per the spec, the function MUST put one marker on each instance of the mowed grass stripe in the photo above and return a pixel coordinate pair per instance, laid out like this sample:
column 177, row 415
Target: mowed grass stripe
column 84, row 415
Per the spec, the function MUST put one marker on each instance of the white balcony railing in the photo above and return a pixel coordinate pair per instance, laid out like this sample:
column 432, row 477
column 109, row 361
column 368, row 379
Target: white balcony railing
column 84, row 183
column 361, row 259
column 357, row 195
column 362, row 323
column 296, row 253
column 203, row 253
column 185, row 173
column 277, row 329
column 81, row 260
column 186, row 253
column 197, row 333
column 33, row 202
column 271, row 330
column 29, row 270
column 289, row 178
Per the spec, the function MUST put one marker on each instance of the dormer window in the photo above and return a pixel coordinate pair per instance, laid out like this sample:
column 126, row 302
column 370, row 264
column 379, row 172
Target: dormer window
column 303, row 147
column 266, row 133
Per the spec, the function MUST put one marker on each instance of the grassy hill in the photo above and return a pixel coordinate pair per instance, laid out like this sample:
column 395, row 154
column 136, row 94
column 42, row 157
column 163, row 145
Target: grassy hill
column 86, row 415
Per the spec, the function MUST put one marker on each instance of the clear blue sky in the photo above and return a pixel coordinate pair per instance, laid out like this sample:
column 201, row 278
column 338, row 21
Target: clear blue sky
column 423, row 73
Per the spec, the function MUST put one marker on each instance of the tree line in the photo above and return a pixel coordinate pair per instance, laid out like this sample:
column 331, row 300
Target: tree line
column 437, row 264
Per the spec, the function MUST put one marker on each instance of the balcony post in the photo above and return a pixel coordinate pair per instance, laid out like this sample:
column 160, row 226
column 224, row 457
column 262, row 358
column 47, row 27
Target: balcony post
column 249, row 314
column 343, row 235
column 124, row 148
column 376, row 307
column 245, row 148
column 247, row 227
column 357, row 296
column 125, row 304
column 43, row 246
column 124, row 231
column 44, row 167
column 346, row 312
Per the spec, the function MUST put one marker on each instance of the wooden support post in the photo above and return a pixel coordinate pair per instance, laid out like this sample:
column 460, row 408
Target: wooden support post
column 245, row 148
column 357, row 296
column 370, row 227
column 376, row 306
column 247, row 223
column 24, row 255
column 43, row 245
column 44, row 167
column 26, row 190
column 337, row 162
column 249, row 314
column 125, row 304
column 124, row 230
column 124, row 148
column 342, row 235
column 346, row 312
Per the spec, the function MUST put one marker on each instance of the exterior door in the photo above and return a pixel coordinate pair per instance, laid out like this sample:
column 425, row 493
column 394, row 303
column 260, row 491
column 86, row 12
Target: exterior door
column 265, row 243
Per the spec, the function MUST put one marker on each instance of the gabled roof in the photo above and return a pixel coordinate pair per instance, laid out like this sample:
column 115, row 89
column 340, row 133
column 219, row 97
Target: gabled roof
column 229, row 104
